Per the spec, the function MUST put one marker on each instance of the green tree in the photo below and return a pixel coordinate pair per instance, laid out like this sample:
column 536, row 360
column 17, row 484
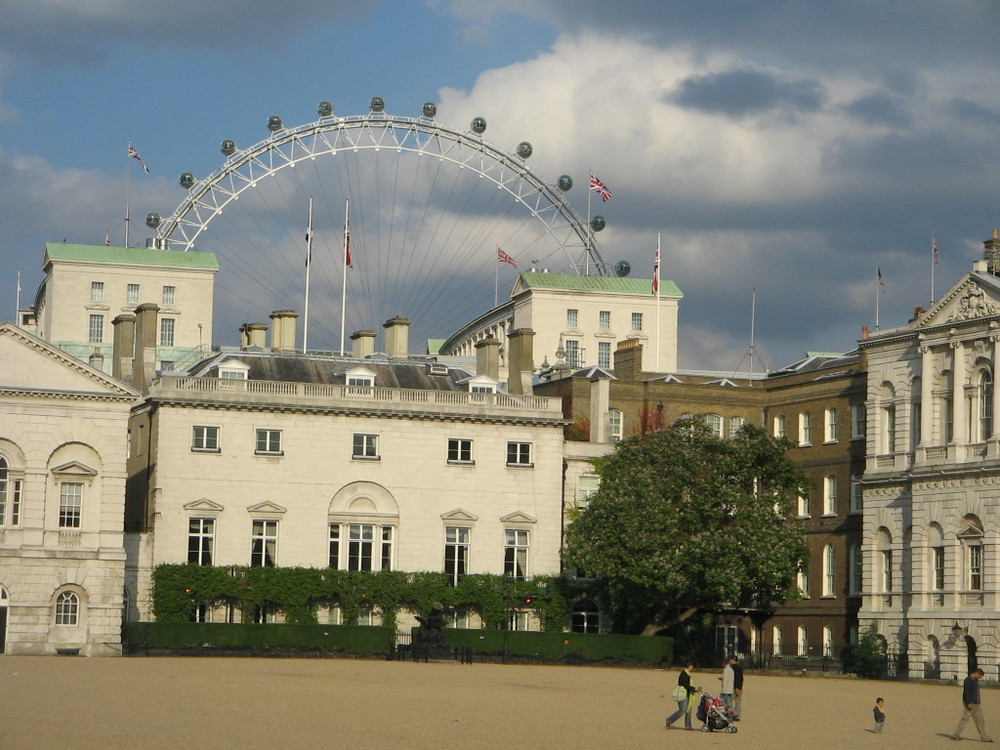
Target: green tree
column 685, row 521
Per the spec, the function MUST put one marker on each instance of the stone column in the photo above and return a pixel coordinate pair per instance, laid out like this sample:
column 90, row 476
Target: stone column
column 995, row 430
column 960, row 410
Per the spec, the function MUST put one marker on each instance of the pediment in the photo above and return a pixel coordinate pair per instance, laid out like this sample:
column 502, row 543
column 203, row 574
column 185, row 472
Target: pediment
column 459, row 515
column 74, row 468
column 29, row 364
column 266, row 507
column 518, row 517
column 969, row 299
column 204, row 505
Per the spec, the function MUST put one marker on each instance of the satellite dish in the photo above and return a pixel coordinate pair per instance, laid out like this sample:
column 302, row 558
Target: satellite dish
column 622, row 268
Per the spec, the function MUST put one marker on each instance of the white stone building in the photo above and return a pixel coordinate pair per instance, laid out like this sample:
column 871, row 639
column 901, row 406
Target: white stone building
column 87, row 286
column 63, row 440
column 931, row 538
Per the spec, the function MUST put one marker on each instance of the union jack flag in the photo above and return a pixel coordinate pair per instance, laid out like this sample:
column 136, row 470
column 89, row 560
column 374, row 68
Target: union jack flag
column 502, row 257
column 596, row 186
column 133, row 154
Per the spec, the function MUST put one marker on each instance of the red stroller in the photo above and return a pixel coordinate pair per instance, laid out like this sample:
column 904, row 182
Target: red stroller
column 716, row 717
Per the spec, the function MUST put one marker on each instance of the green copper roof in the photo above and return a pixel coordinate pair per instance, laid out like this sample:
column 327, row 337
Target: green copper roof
column 132, row 255
column 623, row 285
column 434, row 345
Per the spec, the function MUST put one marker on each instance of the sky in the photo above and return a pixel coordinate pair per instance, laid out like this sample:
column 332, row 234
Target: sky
column 784, row 152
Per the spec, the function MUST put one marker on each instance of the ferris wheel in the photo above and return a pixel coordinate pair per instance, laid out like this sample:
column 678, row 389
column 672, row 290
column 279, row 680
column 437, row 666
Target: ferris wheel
column 433, row 210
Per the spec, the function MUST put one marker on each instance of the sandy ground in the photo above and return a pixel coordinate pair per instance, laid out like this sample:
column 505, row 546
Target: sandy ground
column 207, row 703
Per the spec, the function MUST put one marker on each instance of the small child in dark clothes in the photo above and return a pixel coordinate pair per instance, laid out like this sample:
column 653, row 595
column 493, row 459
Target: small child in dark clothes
column 879, row 712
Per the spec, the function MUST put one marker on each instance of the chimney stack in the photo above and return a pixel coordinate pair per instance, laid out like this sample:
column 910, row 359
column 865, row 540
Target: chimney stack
column 628, row 359
column 144, row 357
column 488, row 358
column 123, row 349
column 362, row 344
column 253, row 335
column 600, row 404
column 397, row 334
column 96, row 359
column 521, row 366
column 283, row 330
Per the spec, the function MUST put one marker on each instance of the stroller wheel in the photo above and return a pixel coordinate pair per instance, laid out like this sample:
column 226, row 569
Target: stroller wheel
column 731, row 729
column 704, row 728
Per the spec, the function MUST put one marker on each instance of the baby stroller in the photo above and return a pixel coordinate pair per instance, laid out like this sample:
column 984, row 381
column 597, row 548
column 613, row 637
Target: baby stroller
column 715, row 715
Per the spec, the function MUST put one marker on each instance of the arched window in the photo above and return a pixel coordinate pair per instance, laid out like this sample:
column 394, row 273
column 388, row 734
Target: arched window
column 777, row 641
column 829, row 571
column 67, row 608
column 803, row 649
column 714, row 422
column 887, row 424
column 854, row 571
column 884, row 560
column 616, row 424
column 586, row 617
column 935, row 545
column 971, row 539
column 985, row 395
column 10, row 496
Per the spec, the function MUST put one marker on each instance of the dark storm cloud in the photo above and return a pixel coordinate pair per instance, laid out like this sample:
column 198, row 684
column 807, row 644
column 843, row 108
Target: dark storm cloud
column 746, row 92
column 879, row 109
column 973, row 112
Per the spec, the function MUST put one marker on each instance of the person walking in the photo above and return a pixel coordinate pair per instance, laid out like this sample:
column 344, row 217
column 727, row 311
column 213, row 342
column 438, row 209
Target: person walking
column 737, row 687
column 728, row 683
column 686, row 696
column 971, row 707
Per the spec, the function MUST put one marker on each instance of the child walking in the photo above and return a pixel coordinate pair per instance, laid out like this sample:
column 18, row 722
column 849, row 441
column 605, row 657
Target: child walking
column 879, row 712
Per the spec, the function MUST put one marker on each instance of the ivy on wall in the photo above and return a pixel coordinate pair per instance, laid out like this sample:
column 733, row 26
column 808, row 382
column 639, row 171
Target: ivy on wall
column 299, row 592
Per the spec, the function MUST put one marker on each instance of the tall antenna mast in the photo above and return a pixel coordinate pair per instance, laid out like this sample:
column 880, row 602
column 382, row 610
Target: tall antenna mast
column 753, row 323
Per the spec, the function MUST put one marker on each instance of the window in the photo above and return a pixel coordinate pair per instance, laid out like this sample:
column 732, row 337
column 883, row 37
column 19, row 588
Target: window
column 515, row 560
column 976, row 567
column 586, row 617
column 971, row 539
column 263, row 544
column 777, row 640
column 985, row 395
column 70, row 504
column 714, row 422
column 915, row 419
column 831, row 426
column 805, row 428
column 269, row 441
column 386, row 548
column 456, row 552
column 828, row 641
column 803, row 649
column 854, row 571
column 804, row 509
column 166, row 365
column 586, row 487
column 889, row 428
column 169, row 296
column 334, row 558
column 636, row 321
column 937, row 562
column 519, row 454
column 604, row 354
column 779, row 426
column 201, row 540
column 886, row 563
column 360, row 546
column 803, row 582
column 10, row 496
column 735, row 425
column 95, row 334
column 167, row 331
column 830, row 495
column 604, row 320
column 204, row 438
column 573, row 353
column 365, row 446
column 572, row 318
column 829, row 571
column 232, row 374
column 132, row 294
column 97, row 291
column 615, row 424
column 858, row 422
column 67, row 609
column 857, row 494
column 360, row 381
column 460, row 451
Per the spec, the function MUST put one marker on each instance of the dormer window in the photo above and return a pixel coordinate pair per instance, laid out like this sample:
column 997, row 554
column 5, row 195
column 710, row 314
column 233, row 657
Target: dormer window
column 233, row 370
column 481, row 384
column 359, row 381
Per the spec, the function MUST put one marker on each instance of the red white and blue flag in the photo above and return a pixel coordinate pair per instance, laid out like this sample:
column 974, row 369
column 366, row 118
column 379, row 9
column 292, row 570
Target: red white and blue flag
column 878, row 271
column 934, row 249
column 133, row 154
column 347, row 245
column 656, row 272
column 502, row 257
column 596, row 186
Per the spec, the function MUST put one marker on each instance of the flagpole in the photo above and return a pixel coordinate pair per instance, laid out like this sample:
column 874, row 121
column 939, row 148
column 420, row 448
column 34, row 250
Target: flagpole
column 590, row 229
column 309, row 242
column 17, row 303
column 656, row 281
column 128, row 187
column 878, row 275
column 933, row 263
column 496, row 283
column 343, row 289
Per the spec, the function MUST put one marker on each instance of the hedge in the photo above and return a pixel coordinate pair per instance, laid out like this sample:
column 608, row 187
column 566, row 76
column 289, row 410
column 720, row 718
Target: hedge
column 354, row 640
column 564, row 646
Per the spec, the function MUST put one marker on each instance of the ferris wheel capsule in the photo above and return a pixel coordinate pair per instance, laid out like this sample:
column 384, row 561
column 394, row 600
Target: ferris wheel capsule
column 564, row 183
column 524, row 149
column 152, row 220
column 478, row 125
column 377, row 104
column 186, row 180
column 598, row 223
column 274, row 123
column 324, row 109
column 228, row 147
column 429, row 110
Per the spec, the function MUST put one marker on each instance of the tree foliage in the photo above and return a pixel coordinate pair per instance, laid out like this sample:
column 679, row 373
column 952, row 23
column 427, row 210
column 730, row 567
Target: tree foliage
column 686, row 521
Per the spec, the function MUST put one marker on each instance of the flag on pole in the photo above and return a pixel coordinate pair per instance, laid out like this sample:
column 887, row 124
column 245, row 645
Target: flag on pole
column 18, row 282
column 133, row 154
column 107, row 238
column 656, row 272
column 596, row 186
column 502, row 257
column 934, row 249
column 881, row 283
column 347, row 244
column 309, row 235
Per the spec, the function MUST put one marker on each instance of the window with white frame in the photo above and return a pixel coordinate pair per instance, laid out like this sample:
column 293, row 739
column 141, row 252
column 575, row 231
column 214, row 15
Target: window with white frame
column 915, row 419
column 802, row 580
column 169, row 296
column 604, row 354
column 883, row 556
column 67, row 609
column 585, row 617
column 777, row 640
column 205, row 438
column 10, row 496
column 132, row 294
column 714, row 423
column 779, row 426
column 804, row 509
column 971, row 539
column 858, row 420
column 803, row 641
column 365, row 446
column 95, row 331
column 636, row 321
column 263, row 544
column 735, row 425
column 830, row 495
column 268, row 442
column 362, row 554
column 937, row 568
column 615, row 424
column 515, row 560
column 829, row 571
column 460, row 451
column 167, row 326
column 334, row 546
column 586, row 487
column 201, row 540
column 985, row 396
column 518, row 454
column 70, row 504
column 805, row 428
column 830, row 425
column 572, row 318
column 456, row 552
column 887, row 419
column 604, row 320
column 854, row 571
column 97, row 291
column 573, row 353
column 828, row 641
column 857, row 493
column 949, row 419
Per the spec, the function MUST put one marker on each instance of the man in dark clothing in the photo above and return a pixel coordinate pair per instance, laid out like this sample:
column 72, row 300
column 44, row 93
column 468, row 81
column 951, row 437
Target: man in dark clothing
column 971, row 708
column 734, row 661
